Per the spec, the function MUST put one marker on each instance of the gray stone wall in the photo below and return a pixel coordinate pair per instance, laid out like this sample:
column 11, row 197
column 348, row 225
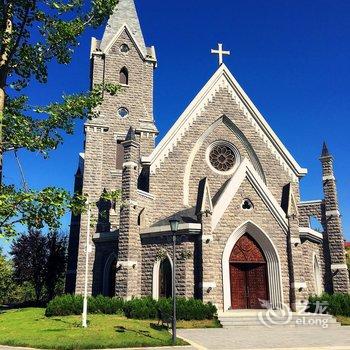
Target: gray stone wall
column 172, row 170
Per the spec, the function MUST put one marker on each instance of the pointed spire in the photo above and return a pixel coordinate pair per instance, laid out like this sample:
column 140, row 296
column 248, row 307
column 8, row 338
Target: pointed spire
column 325, row 151
column 124, row 13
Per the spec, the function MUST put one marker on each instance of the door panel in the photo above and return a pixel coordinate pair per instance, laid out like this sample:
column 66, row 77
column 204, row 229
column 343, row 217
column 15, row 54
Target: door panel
column 257, row 285
column 238, row 286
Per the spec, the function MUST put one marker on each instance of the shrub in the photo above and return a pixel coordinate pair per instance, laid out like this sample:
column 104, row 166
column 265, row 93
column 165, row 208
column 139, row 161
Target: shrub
column 337, row 304
column 73, row 305
column 187, row 309
column 142, row 309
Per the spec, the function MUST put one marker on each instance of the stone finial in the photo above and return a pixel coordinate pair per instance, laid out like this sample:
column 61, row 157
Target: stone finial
column 131, row 135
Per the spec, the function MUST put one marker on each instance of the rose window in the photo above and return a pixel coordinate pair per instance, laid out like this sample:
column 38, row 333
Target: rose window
column 222, row 157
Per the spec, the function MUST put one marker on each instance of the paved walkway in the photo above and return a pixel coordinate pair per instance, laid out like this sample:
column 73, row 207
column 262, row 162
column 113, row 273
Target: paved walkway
column 261, row 338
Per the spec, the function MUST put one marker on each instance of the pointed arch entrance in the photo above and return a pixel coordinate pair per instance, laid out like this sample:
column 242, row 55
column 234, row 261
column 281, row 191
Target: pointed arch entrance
column 273, row 265
column 248, row 274
column 162, row 278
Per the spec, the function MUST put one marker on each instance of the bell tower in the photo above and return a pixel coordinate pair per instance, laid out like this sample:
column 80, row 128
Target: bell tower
column 123, row 58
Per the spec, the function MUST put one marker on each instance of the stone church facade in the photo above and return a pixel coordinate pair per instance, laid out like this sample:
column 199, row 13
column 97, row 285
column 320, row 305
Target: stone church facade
column 244, row 234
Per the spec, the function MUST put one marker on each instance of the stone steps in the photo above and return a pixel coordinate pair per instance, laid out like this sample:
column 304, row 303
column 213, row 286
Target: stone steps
column 263, row 319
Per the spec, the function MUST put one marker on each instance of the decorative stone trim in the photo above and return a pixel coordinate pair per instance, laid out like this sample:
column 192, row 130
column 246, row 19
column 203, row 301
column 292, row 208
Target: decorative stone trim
column 307, row 203
column 246, row 170
column 299, row 285
column 328, row 177
column 207, row 238
column 330, row 213
column 105, row 236
column 224, row 79
column 116, row 172
column 191, row 228
column 96, row 128
column 208, row 286
column 127, row 264
column 295, row 241
column 310, row 234
column 146, row 194
column 339, row 267
column 130, row 165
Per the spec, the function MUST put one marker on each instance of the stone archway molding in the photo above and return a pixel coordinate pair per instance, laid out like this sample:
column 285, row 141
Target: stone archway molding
column 272, row 259
column 156, row 267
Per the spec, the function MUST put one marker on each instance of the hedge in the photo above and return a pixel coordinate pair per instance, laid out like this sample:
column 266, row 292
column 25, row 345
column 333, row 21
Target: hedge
column 73, row 305
column 337, row 304
column 144, row 308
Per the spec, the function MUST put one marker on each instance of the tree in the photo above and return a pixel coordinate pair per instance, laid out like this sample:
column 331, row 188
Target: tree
column 56, row 264
column 30, row 255
column 33, row 33
column 6, row 281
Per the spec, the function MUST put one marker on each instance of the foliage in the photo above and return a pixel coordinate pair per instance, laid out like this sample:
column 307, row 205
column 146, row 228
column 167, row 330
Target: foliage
column 187, row 309
column 30, row 328
column 6, row 284
column 34, row 33
column 337, row 304
column 56, row 264
column 35, row 209
column 73, row 305
column 143, row 309
column 40, row 260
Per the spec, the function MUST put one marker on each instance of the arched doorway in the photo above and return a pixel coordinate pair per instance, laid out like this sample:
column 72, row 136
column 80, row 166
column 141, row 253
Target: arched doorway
column 165, row 279
column 248, row 274
column 109, row 276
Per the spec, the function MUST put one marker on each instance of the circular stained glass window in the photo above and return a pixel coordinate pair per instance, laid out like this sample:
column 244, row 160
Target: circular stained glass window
column 223, row 157
column 123, row 112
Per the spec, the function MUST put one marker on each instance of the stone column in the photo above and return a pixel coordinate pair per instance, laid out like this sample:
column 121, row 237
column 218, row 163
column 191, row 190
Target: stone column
column 334, row 232
column 128, row 278
column 204, row 213
column 298, row 287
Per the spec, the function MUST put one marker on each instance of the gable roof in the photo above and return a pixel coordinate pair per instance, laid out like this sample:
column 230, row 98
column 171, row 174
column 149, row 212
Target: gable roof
column 124, row 14
column 223, row 78
column 247, row 171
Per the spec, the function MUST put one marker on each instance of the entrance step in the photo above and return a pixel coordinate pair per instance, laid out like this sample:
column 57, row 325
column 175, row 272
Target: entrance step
column 263, row 318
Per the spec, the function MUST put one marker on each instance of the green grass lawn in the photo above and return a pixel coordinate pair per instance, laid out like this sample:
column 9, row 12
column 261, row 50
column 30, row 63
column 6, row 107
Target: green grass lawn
column 30, row 327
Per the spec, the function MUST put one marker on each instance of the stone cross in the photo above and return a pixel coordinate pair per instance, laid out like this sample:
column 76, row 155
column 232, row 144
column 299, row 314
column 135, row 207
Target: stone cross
column 221, row 54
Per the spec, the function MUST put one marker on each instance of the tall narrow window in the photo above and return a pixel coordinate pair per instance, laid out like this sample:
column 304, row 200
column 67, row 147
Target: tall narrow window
column 120, row 155
column 124, row 76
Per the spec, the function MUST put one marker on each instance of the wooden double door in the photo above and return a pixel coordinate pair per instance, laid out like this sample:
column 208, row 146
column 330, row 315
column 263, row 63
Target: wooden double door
column 248, row 273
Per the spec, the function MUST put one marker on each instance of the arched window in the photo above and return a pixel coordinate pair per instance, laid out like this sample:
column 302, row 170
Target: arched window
column 165, row 279
column 124, row 76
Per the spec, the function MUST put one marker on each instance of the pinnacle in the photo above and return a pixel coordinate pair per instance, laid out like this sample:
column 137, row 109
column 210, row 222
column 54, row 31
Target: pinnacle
column 325, row 151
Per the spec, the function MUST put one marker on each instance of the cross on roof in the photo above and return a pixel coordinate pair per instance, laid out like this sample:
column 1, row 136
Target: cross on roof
column 221, row 54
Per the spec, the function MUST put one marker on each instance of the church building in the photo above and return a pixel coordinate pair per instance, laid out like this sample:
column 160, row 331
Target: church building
column 244, row 234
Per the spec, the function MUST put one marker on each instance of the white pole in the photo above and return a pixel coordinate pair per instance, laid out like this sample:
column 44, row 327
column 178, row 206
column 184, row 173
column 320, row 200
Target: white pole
column 85, row 304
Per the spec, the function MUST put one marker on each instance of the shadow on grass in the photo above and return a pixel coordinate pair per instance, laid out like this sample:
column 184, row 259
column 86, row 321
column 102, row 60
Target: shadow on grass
column 121, row 329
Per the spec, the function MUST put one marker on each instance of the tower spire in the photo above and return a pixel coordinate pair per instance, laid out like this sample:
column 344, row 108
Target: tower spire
column 325, row 151
column 125, row 13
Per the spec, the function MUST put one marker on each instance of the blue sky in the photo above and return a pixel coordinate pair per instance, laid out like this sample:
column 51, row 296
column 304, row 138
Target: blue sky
column 291, row 57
